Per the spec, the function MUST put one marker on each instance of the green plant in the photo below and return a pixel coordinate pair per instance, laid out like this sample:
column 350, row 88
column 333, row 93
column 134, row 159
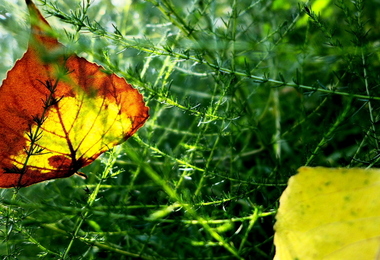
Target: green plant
column 241, row 94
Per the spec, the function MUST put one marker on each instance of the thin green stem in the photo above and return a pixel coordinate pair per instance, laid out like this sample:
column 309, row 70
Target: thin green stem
column 329, row 135
column 91, row 199
column 370, row 107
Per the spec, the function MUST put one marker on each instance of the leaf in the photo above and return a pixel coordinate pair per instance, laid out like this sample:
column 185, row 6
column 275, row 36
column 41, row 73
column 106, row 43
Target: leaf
column 329, row 214
column 59, row 112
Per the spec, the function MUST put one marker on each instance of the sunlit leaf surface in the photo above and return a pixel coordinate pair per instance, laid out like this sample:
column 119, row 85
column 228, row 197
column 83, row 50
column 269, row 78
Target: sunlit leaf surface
column 59, row 112
column 329, row 214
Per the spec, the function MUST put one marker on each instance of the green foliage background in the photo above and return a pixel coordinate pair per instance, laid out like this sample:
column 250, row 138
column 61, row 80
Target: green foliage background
column 241, row 94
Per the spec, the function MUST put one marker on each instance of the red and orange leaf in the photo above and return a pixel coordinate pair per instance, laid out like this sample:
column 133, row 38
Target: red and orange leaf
column 59, row 113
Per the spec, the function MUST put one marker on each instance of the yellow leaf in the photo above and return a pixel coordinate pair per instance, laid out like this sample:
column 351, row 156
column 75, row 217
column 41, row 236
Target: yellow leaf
column 329, row 213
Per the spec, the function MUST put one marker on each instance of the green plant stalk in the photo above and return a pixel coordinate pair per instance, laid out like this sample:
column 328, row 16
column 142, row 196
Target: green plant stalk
column 200, row 184
column 8, row 225
column 330, row 132
column 252, row 221
column 370, row 108
column 111, row 161
column 99, row 211
column 174, row 197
